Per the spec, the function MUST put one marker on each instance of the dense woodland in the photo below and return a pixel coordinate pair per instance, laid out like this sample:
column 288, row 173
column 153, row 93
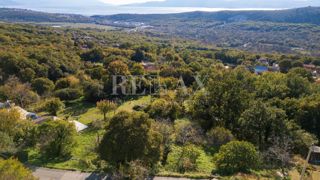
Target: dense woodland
column 292, row 31
column 237, row 122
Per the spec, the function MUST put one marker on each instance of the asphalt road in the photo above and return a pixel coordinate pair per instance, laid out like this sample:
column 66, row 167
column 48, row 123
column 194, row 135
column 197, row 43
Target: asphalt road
column 54, row 174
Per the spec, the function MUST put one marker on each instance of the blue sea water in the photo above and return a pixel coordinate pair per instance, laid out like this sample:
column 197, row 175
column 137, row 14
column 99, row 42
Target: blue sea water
column 107, row 10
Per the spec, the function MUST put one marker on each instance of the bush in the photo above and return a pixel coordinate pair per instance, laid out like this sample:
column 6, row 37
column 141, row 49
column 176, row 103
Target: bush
column 68, row 94
column 56, row 139
column 188, row 158
column 236, row 156
column 187, row 132
column 137, row 171
column 52, row 106
column 12, row 169
column 93, row 91
column 129, row 137
column 42, row 85
column 219, row 136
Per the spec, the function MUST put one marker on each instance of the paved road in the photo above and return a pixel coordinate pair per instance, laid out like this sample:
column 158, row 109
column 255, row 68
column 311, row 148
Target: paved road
column 54, row 174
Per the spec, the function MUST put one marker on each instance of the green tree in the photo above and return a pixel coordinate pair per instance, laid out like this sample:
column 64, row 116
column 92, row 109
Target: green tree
column 106, row 106
column 68, row 94
column 26, row 75
column 52, row 106
column 163, row 109
column 225, row 96
column 285, row 66
column 137, row 69
column 138, row 56
column 308, row 115
column 260, row 122
column 187, row 132
column 13, row 131
column 301, row 72
column 94, row 55
column 56, row 139
column 219, row 136
column 118, row 68
column 129, row 137
column 236, row 156
column 298, row 86
column 18, row 92
column 42, row 85
column 272, row 85
column 93, row 91
column 12, row 169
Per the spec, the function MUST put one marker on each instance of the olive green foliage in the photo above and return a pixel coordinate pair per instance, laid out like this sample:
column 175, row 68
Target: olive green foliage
column 163, row 109
column 12, row 169
column 19, row 93
column 93, row 91
column 68, row 94
column 226, row 95
column 219, row 136
column 56, row 139
column 52, row 106
column 129, row 137
column 187, row 132
column 259, row 122
column 14, row 131
column 44, row 66
column 188, row 158
column 236, row 156
column 42, row 85
column 94, row 55
column 106, row 106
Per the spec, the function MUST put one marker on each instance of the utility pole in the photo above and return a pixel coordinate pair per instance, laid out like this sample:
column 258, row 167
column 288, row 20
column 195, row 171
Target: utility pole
column 312, row 149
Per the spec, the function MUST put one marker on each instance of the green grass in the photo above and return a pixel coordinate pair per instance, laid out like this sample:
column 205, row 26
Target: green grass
column 84, row 152
column 128, row 106
column 74, row 25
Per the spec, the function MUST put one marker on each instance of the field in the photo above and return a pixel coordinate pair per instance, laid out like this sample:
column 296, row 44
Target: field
column 83, row 153
column 74, row 25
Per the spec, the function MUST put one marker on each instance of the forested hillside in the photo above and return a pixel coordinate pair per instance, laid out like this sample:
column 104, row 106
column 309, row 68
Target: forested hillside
column 197, row 110
column 308, row 15
column 22, row 15
column 293, row 31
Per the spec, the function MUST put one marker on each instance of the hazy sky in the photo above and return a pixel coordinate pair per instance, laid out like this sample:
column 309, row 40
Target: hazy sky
column 119, row 2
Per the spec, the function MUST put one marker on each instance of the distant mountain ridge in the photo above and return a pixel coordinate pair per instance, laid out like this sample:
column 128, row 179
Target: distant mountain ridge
column 309, row 15
column 231, row 3
column 23, row 15
column 50, row 3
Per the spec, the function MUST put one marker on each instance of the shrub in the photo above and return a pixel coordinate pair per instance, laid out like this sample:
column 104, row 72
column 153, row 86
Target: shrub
column 42, row 85
column 12, row 169
column 137, row 171
column 236, row 156
column 128, row 138
column 68, row 94
column 52, row 106
column 56, row 139
column 189, row 158
column 219, row 136
column 188, row 132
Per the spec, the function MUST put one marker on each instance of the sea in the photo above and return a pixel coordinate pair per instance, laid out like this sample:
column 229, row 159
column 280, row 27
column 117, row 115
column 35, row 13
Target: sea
column 107, row 10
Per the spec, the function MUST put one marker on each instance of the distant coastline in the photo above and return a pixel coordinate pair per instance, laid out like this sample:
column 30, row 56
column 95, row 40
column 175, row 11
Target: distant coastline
column 110, row 10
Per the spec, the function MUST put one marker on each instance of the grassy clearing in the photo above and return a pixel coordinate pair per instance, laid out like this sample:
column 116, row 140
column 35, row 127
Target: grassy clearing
column 84, row 152
column 74, row 25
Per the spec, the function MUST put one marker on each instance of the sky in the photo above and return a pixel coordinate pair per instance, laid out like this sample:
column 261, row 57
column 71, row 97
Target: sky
column 122, row 2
